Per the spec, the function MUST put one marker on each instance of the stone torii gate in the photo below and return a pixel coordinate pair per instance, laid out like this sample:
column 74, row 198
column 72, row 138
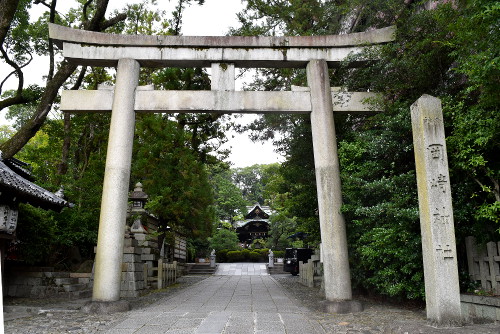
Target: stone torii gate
column 223, row 54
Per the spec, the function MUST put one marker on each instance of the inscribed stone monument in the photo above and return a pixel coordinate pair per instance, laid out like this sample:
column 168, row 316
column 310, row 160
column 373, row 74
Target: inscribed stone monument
column 436, row 213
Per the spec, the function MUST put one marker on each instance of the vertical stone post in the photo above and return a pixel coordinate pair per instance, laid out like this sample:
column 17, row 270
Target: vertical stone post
column 337, row 276
column 442, row 293
column 161, row 278
column 109, row 253
column 471, row 249
column 212, row 259
column 223, row 77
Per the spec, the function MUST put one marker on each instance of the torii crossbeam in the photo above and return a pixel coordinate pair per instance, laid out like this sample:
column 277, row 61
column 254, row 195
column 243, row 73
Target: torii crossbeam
column 222, row 54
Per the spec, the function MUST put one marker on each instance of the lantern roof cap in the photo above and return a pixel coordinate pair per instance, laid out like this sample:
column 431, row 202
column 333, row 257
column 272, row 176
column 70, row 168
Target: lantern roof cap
column 138, row 194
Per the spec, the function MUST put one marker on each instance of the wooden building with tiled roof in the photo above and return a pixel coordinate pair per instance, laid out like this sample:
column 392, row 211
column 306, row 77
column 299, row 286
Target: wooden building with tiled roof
column 255, row 225
column 16, row 186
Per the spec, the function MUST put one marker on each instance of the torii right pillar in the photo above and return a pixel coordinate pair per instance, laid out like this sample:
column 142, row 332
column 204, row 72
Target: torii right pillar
column 337, row 277
column 442, row 292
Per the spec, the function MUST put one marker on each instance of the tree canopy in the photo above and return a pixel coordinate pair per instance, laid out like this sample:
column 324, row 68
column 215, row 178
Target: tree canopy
column 171, row 153
column 446, row 50
column 449, row 50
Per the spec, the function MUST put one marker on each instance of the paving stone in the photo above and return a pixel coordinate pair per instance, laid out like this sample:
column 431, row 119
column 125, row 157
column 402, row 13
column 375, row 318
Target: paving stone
column 150, row 329
column 167, row 320
column 236, row 329
column 277, row 304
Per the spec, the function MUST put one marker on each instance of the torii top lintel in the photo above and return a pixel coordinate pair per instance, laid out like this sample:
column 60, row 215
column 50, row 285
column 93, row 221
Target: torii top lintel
column 102, row 49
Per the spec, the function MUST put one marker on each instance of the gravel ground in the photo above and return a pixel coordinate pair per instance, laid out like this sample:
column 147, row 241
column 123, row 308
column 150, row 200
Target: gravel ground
column 377, row 317
column 54, row 316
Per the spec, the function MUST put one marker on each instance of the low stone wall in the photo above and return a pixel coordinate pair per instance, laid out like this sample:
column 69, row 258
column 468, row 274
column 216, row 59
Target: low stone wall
column 44, row 283
column 480, row 307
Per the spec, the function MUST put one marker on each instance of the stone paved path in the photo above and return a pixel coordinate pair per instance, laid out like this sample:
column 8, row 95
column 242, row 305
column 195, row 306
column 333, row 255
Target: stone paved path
column 238, row 269
column 246, row 301
column 236, row 304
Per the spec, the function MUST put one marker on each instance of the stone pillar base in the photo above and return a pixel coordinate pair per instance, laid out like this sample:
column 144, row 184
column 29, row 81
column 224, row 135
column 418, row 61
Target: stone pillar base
column 342, row 306
column 95, row 307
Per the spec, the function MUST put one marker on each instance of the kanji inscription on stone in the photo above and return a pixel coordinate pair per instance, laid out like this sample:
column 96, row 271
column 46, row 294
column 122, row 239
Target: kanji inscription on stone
column 436, row 212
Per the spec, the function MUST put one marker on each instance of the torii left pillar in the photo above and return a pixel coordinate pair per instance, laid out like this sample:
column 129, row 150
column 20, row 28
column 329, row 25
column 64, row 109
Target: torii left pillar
column 337, row 277
column 109, row 252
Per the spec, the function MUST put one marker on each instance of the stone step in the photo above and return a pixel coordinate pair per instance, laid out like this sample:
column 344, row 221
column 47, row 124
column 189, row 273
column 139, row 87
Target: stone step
column 200, row 269
column 191, row 272
column 56, row 274
column 80, row 294
column 207, row 265
column 75, row 287
column 66, row 281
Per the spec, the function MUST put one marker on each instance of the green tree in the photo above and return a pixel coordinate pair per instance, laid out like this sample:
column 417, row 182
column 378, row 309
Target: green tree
column 83, row 138
column 281, row 227
column 433, row 54
column 177, row 182
column 5, row 132
column 473, row 111
column 249, row 180
column 224, row 239
column 229, row 202
column 428, row 57
column 20, row 40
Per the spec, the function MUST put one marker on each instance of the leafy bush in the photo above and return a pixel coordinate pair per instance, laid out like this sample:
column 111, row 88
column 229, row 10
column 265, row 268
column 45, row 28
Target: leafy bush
column 258, row 244
column 224, row 239
column 244, row 255
column 36, row 232
column 254, row 256
column 263, row 254
column 221, row 255
column 234, row 256
column 279, row 254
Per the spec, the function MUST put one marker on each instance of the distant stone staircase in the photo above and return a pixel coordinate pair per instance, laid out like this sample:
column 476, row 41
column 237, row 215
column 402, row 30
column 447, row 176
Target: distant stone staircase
column 44, row 282
column 200, row 269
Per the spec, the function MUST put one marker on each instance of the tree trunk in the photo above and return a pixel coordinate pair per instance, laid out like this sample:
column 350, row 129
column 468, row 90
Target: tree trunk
column 350, row 20
column 7, row 12
column 30, row 128
column 62, row 168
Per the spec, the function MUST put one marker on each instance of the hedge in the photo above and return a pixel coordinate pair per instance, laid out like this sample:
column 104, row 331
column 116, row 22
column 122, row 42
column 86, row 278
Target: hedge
column 245, row 255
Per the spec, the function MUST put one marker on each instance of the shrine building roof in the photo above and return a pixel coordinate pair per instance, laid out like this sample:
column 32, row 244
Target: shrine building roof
column 15, row 186
column 258, row 212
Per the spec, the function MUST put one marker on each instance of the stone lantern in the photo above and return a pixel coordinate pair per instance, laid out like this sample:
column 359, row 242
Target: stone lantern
column 138, row 199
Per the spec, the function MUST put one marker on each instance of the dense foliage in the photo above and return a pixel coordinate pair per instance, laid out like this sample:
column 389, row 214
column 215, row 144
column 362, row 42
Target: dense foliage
column 449, row 51
column 224, row 239
column 229, row 202
column 180, row 192
column 245, row 255
column 171, row 153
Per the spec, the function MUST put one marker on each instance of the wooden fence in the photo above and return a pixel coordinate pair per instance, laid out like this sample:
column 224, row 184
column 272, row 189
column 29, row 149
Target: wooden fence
column 484, row 264
column 307, row 271
column 166, row 274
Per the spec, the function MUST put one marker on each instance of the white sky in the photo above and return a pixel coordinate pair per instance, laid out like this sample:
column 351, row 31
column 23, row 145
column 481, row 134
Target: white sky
column 214, row 18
